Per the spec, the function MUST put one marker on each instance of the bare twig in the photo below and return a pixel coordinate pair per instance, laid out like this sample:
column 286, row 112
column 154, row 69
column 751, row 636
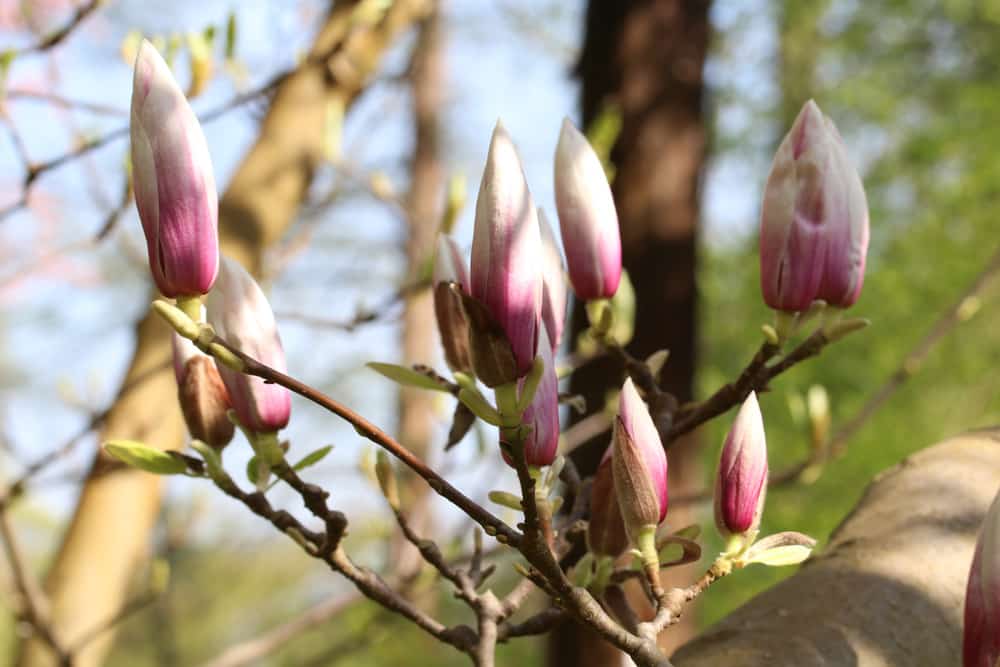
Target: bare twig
column 35, row 604
column 490, row 523
column 17, row 488
column 64, row 102
column 56, row 37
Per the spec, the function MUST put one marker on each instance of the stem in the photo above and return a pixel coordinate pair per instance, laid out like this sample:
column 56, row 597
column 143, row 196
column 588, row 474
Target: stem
column 191, row 305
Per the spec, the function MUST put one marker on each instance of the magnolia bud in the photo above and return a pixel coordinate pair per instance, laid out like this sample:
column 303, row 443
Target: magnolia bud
column 506, row 250
column 981, row 631
column 449, row 267
column 554, row 295
column 639, row 464
column 605, row 531
column 814, row 219
column 174, row 185
column 543, row 412
column 202, row 395
column 241, row 315
column 741, row 483
column 587, row 217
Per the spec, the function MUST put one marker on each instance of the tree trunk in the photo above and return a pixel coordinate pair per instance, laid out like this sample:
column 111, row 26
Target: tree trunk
column 109, row 534
column 889, row 589
column 647, row 58
column 424, row 205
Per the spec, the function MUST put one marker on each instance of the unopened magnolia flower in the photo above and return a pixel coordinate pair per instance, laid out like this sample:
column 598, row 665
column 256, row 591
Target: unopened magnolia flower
column 587, row 217
column 202, row 395
column 639, row 463
column 981, row 631
column 241, row 315
column 741, row 482
column 173, row 180
column 543, row 413
column 449, row 267
column 814, row 219
column 506, row 250
column 605, row 530
column 553, row 283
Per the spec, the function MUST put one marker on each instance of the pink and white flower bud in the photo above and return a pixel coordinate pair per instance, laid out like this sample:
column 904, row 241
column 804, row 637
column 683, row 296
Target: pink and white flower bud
column 605, row 530
column 506, row 250
column 639, row 463
column 173, row 180
column 814, row 219
column 201, row 393
column 981, row 630
column 240, row 314
column 453, row 327
column 543, row 413
column 741, row 482
column 554, row 292
column 587, row 217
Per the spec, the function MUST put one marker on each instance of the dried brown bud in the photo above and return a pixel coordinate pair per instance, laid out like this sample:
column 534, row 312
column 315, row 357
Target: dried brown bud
column 492, row 355
column 202, row 395
column 453, row 327
column 606, row 530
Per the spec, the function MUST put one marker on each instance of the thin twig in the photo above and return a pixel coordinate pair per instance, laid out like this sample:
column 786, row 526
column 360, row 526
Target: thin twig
column 490, row 523
column 35, row 604
column 58, row 36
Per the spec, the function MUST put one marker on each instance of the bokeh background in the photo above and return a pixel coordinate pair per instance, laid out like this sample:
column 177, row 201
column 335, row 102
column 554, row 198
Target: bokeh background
column 910, row 83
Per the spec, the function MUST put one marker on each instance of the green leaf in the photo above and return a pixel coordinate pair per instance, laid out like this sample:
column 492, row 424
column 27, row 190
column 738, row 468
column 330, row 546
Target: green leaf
column 144, row 457
column 252, row 470
column 791, row 554
column 406, row 376
column 312, row 458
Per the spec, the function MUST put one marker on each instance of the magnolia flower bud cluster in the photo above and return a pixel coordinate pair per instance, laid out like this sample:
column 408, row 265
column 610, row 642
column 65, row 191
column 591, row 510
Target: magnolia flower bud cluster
column 510, row 308
column 629, row 492
column 814, row 219
column 178, row 207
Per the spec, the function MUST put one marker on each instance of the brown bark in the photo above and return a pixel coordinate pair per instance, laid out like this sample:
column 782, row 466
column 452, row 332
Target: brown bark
column 647, row 57
column 889, row 588
column 108, row 536
column 424, row 203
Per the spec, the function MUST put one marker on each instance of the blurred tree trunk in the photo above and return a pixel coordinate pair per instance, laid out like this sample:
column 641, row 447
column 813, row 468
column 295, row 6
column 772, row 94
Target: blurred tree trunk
column 424, row 203
column 647, row 57
column 109, row 535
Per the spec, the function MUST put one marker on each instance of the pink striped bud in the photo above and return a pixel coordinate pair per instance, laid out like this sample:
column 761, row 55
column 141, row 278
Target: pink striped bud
column 449, row 267
column 506, row 250
column 605, row 530
column 201, row 393
column 639, row 463
column 543, row 413
column 814, row 219
column 554, row 294
column 981, row 631
column 587, row 217
column 741, row 483
column 174, row 185
column 241, row 315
